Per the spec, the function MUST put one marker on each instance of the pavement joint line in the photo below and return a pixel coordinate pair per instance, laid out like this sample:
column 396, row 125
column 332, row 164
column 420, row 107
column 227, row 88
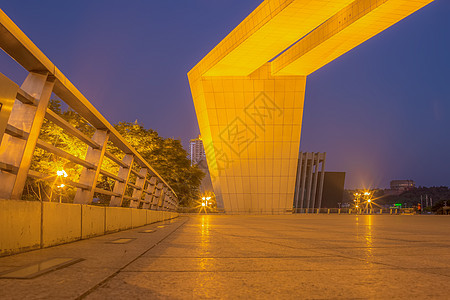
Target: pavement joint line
column 85, row 294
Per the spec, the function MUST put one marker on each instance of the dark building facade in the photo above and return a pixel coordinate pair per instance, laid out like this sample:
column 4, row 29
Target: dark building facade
column 333, row 189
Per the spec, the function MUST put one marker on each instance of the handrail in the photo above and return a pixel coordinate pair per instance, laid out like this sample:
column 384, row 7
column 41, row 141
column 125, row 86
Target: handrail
column 15, row 43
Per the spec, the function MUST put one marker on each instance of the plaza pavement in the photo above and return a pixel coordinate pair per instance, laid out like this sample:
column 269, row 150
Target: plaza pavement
column 251, row 257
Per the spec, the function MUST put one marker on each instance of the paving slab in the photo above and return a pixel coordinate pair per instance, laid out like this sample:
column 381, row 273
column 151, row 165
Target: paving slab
column 251, row 257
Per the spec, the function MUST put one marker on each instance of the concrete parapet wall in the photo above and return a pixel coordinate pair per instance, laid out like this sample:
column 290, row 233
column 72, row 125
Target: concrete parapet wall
column 93, row 221
column 20, row 226
column 28, row 225
column 61, row 223
column 118, row 218
column 138, row 217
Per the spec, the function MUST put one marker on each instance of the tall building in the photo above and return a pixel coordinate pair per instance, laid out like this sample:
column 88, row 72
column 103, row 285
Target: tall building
column 333, row 189
column 197, row 150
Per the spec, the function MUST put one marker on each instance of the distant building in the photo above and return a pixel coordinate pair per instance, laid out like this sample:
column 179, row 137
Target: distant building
column 333, row 189
column 402, row 185
column 197, row 150
column 315, row 188
column 309, row 181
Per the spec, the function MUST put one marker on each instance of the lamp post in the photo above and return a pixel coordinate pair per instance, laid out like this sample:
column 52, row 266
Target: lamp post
column 60, row 175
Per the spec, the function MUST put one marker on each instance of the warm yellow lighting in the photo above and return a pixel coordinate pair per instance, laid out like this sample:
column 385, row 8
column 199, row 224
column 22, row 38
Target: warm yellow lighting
column 249, row 116
column 61, row 185
column 356, row 205
column 369, row 200
column 203, row 198
column 61, row 173
column 203, row 204
column 367, row 193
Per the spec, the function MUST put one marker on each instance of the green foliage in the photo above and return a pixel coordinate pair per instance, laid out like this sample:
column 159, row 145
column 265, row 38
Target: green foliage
column 166, row 156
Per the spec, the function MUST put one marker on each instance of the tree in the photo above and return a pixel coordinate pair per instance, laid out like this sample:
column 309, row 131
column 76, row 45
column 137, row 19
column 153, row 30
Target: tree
column 166, row 156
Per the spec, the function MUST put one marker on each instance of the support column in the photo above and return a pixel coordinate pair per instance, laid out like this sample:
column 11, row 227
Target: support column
column 304, row 167
column 310, row 175
column 322, row 175
column 120, row 187
column 90, row 177
column 297, row 182
column 29, row 119
column 316, row 173
column 140, row 182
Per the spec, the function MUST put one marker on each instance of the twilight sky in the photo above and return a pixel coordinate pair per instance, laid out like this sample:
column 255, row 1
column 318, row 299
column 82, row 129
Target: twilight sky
column 381, row 111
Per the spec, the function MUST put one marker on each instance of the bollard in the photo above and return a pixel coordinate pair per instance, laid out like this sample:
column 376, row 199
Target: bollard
column 395, row 211
column 328, row 211
column 390, row 211
column 381, row 211
column 349, row 211
column 318, row 210
column 339, row 211
column 371, row 211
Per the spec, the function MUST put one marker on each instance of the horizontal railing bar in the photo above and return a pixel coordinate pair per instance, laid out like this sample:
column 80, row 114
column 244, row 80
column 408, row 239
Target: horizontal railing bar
column 115, row 159
column 105, row 192
column 42, row 176
column 115, row 177
column 130, row 198
column 25, row 98
column 136, row 173
column 8, row 168
column 16, row 132
column 134, row 186
column 66, row 126
column 61, row 153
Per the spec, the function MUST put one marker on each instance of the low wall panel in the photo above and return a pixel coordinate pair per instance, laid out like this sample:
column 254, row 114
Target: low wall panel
column 61, row 223
column 151, row 216
column 92, row 221
column 117, row 218
column 138, row 217
column 20, row 226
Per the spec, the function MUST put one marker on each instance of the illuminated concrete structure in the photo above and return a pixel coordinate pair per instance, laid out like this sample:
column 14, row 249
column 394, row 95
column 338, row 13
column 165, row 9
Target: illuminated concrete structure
column 249, row 102
column 309, row 183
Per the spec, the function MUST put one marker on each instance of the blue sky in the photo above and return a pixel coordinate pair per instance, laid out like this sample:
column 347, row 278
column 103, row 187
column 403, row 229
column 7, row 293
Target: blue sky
column 381, row 111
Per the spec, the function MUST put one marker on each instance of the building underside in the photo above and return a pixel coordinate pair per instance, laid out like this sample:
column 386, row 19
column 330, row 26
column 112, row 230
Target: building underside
column 249, row 91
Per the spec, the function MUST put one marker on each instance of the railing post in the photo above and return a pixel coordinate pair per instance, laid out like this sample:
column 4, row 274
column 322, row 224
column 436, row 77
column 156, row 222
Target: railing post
column 90, row 177
column 162, row 198
column 157, row 195
column 149, row 193
column 29, row 119
column 140, row 182
column 120, row 187
column 8, row 92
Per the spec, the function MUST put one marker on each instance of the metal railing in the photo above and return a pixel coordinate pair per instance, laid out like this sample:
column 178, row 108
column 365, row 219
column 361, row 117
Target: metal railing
column 22, row 113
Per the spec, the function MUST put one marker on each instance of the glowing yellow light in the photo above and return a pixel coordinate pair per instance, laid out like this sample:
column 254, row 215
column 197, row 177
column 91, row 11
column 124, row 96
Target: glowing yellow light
column 356, row 205
column 367, row 193
column 61, row 173
column 203, row 204
column 203, row 198
column 369, row 200
column 61, row 185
